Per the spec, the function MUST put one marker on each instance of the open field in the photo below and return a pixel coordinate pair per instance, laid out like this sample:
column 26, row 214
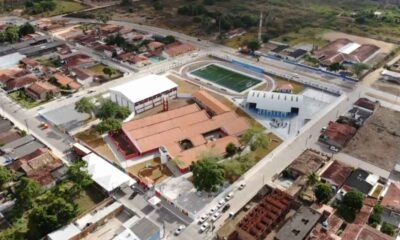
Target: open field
column 280, row 17
column 240, row 41
column 152, row 169
column 378, row 140
column 66, row 7
column 226, row 78
column 306, row 35
column 95, row 141
column 24, row 100
column 297, row 87
column 98, row 69
column 89, row 198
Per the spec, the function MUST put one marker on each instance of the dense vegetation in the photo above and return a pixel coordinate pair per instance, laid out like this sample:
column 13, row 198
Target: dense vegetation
column 13, row 33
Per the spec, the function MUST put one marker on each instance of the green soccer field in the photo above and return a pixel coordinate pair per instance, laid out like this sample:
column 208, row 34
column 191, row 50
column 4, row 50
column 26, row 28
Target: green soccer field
column 226, row 78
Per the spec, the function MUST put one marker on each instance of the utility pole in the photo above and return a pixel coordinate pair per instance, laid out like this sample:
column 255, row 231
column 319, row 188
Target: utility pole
column 260, row 28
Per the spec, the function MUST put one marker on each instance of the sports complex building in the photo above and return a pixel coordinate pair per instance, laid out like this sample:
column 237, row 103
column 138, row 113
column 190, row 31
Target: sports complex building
column 144, row 93
column 182, row 134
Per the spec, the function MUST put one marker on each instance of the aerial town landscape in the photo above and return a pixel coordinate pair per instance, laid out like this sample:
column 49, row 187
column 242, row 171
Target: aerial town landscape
column 200, row 119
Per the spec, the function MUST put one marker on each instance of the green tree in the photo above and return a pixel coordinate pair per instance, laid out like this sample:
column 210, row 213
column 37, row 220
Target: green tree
column 108, row 71
column 103, row 18
column 231, row 149
column 25, row 193
column 358, row 68
column 122, row 112
column 12, row 34
column 323, row 192
column 106, row 109
column 126, row 3
column 352, row 203
column 53, row 215
column 312, row 179
column 78, row 174
column 26, row 29
column 5, row 175
column 388, row 228
column 107, row 125
column 334, row 67
column 158, row 6
column 85, row 105
column 255, row 137
column 208, row 175
column 253, row 45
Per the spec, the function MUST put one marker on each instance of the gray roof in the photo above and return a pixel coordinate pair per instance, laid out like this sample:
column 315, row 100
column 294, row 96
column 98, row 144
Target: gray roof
column 300, row 225
column 5, row 125
column 25, row 149
column 65, row 117
column 144, row 228
column 17, row 143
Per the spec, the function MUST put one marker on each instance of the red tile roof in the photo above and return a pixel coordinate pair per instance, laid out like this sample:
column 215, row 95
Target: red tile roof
column 392, row 197
column 66, row 81
column 21, row 82
column 363, row 232
column 42, row 87
column 30, row 62
column 339, row 133
column 180, row 49
column 337, row 173
column 211, row 102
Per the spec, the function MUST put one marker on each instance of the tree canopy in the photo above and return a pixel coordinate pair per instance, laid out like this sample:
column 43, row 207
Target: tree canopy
column 255, row 137
column 5, row 175
column 323, row 192
column 352, row 202
column 107, row 125
column 109, row 109
column 25, row 193
column 85, row 105
column 208, row 175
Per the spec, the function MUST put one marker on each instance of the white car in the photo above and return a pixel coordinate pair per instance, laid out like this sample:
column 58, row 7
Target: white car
column 229, row 196
column 204, row 227
column 203, row 218
column 242, row 185
column 216, row 216
column 179, row 230
column 221, row 203
column 213, row 210
column 333, row 148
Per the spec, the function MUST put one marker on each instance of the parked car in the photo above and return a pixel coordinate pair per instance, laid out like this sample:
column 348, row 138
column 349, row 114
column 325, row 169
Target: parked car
column 216, row 216
column 226, row 208
column 333, row 148
column 203, row 218
column 242, row 185
column 179, row 230
column 221, row 203
column 133, row 195
column 204, row 227
column 213, row 210
column 229, row 196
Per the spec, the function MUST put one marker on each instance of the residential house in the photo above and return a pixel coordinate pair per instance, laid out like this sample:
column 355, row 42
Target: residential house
column 300, row 225
column 365, row 104
column 30, row 63
column 39, row 166
column 327, row 230
column 174, row 50
column 296, row 54
column 391, row 76
column 155, row 46
column 363, row 232
column 42, row 90
column 359, row 180
column 336, row 174
column 82, row 75
column 76, row 60
column 66, row 82
column 21, row 82
column 337, row 134
column 391, row 203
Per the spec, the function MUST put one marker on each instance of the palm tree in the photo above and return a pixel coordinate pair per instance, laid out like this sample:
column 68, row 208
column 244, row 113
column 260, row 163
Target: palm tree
column 312, row 179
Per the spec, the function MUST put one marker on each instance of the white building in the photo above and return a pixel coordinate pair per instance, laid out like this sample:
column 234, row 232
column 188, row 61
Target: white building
column 279, row 105
column 105, row 174
column 144, row 93
column 391, row 76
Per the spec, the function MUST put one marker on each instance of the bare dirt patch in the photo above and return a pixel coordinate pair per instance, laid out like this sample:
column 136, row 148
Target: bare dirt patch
column 378, row 141
column 384, row 46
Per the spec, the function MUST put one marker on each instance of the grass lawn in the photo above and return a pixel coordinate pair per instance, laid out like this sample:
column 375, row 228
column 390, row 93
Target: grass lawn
column 66, row 7
column 98, row 69
column 24, row 100
column 226, row 78
column 306, row 35
column 262, row 152
column 297, row 87
column 240, row 41
column 95, row 141
column 89, row 198
column 152, row 169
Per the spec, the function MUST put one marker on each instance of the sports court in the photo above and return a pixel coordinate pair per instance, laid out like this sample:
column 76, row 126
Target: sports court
column 225, row 77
